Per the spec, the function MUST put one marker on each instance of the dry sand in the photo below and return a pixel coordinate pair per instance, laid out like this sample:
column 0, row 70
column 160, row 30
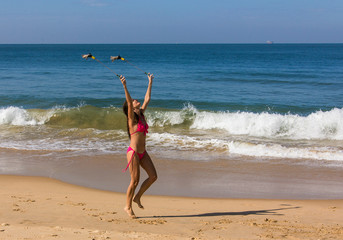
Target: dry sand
column 43, row 208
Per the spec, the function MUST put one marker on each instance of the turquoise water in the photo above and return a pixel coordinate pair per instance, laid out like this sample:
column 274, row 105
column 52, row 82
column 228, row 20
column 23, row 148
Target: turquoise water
column 224, row 100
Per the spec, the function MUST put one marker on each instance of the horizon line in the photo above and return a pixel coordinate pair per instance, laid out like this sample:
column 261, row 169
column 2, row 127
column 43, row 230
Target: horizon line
column 171, row 43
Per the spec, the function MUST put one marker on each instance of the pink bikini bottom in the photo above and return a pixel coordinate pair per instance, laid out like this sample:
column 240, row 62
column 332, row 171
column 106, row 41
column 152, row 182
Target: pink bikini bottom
column 140, row 156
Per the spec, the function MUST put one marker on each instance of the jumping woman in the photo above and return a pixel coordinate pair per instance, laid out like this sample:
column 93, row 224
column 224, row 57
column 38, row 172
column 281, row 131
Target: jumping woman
column 137, row 156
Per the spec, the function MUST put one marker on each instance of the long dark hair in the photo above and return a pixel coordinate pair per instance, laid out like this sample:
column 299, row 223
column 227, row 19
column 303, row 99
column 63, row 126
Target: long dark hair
column 126, row 110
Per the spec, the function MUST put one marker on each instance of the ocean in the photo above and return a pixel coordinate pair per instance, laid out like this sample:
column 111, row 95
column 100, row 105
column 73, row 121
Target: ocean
column 255, row 102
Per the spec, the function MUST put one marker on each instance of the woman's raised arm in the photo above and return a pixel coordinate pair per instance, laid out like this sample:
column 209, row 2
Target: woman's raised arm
column 148, row 93
column 130, row 114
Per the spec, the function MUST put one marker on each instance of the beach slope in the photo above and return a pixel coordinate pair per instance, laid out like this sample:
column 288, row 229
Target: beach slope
column 44, row 208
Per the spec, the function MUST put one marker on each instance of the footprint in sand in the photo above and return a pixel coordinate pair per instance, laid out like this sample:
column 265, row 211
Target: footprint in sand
column 112, row 213
column 80, row 204
column 4, row 225
column 58, row 228
column 101, row 215
column 90, row 209
column 152, row 222
column 224, row 221
column 77, row 204
column 270, row 220
column 73, row 203
column 27, row 221
column 23, row 199
column 332, row 207
column 96, row 233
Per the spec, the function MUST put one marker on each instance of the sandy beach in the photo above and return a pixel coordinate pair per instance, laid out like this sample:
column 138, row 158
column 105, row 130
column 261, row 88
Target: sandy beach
column 70, row 195
column 44, row 208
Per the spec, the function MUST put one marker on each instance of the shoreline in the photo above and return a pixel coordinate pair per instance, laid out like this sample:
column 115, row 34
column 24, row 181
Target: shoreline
column 235, row 179
column 43, row 208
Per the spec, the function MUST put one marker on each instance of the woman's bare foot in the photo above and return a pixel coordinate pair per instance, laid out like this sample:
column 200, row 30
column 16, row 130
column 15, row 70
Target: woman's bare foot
column 138, row 201
column 130, row 212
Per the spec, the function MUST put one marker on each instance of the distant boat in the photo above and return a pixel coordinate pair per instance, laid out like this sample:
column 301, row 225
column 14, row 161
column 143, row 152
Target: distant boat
column 270, row 42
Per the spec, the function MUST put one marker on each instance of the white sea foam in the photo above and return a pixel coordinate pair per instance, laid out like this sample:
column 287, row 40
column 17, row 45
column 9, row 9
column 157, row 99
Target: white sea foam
column 183, row 142
column 279, row 151
column 245, row 148
column 318, row 125
column 68, row 140
column 17, row 116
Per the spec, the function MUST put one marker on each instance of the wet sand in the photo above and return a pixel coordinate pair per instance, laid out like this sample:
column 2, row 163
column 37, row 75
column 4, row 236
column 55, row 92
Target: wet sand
column 237, row 178
column 43, row 208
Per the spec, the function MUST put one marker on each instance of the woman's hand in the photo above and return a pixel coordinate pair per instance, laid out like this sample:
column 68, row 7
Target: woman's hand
column 123, row 80
column 151, row 77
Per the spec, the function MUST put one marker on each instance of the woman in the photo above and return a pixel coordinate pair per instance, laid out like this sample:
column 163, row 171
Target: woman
column 137, row 155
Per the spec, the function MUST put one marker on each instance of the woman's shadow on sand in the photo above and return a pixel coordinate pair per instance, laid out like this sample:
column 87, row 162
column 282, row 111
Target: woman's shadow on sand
column 273, row 212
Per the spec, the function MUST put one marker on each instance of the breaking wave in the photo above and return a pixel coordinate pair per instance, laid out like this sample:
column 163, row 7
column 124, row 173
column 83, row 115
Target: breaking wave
column 318, row 135
column 319, row 125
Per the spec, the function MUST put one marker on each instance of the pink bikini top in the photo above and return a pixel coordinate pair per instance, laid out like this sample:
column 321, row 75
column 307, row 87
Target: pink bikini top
column 141, row 127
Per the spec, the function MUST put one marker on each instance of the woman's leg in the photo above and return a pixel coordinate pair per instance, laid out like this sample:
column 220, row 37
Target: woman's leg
column 149, row 167
column 135, row 172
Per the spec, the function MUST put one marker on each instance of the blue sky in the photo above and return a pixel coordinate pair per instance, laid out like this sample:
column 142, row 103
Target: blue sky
column 173, row 21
